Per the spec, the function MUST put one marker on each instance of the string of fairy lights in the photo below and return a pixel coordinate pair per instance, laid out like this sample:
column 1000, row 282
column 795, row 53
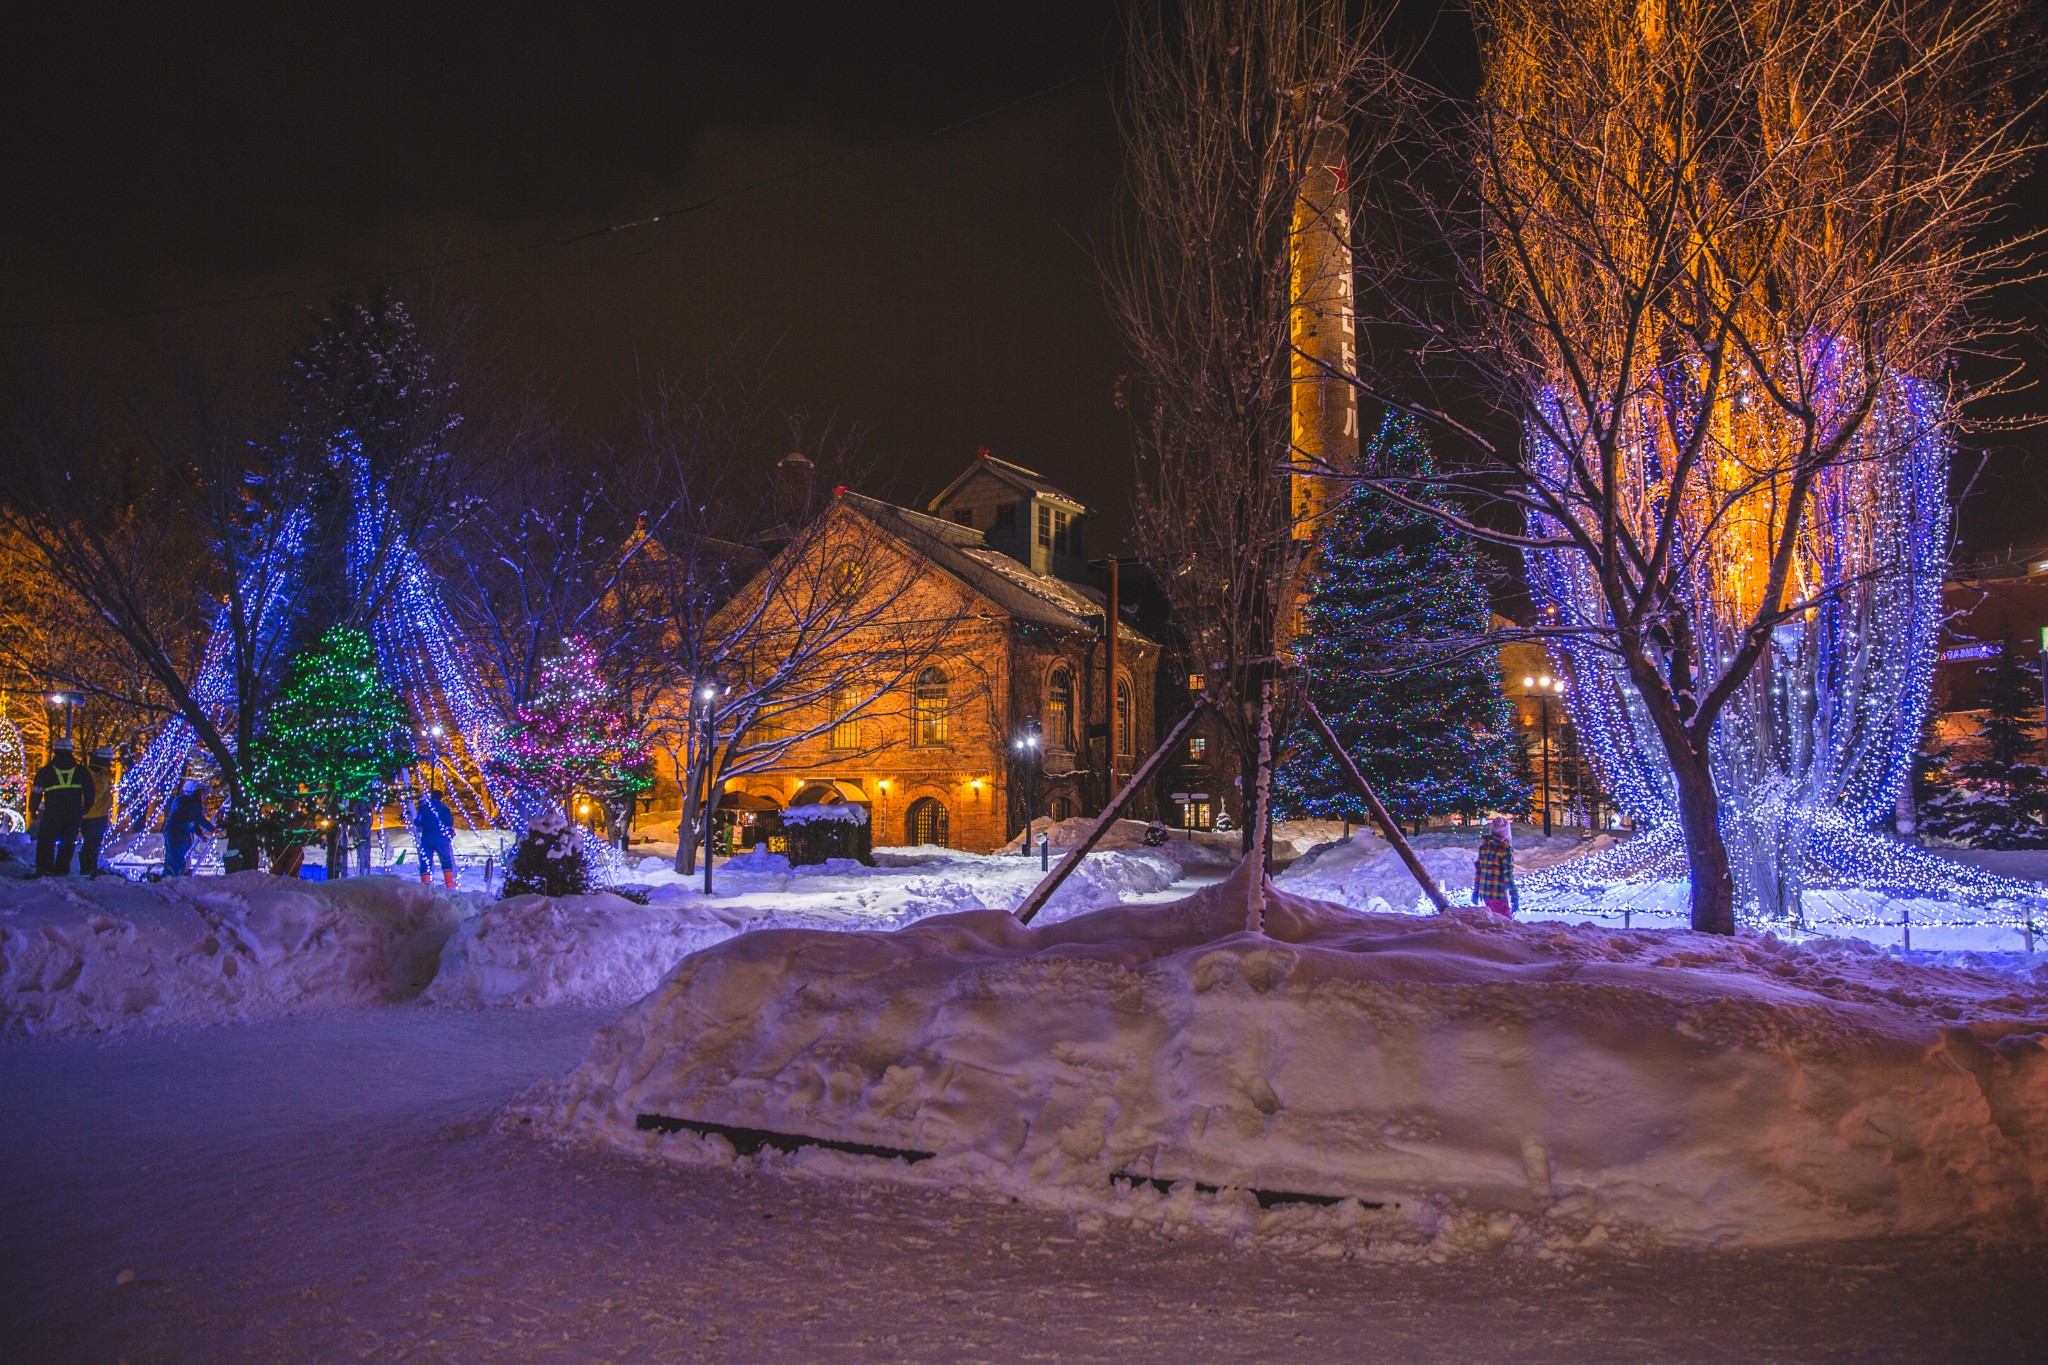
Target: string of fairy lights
column 150, row 782
column 1819, row 741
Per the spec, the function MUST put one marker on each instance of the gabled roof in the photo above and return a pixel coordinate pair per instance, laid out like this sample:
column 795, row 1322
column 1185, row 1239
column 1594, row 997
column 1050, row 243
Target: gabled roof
column 1027, row 481
column 965, row 554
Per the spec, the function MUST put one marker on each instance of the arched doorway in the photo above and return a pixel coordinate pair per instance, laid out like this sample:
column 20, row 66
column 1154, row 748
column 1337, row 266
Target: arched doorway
column 926, row 822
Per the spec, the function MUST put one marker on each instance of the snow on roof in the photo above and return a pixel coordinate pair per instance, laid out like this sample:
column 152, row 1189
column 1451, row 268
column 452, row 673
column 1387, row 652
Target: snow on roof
column 1017, row 476
column 965, row 553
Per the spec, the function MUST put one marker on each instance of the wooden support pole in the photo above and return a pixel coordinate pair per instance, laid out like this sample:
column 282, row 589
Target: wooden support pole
column 1109, row 765
column 1042, row 893
column 1379, row 811
column 1262, row 815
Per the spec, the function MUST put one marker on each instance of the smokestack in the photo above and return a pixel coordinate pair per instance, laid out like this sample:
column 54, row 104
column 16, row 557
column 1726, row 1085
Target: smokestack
column 793, row 487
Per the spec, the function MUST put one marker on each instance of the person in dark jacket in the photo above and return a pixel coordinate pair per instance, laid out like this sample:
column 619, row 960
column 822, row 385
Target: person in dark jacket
column 434, row 831
column 63, row 791
column 185, row 821
column 94, row 826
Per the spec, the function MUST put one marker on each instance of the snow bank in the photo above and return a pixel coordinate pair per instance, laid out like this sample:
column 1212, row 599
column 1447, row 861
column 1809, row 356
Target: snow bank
column 567, row 950
column 1445, row 1082
column 1364, row 873
column 85, row 956
column 602, row 949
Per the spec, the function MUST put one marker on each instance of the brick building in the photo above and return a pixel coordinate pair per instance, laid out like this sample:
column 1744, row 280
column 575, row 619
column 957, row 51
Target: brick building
column 1024, row 648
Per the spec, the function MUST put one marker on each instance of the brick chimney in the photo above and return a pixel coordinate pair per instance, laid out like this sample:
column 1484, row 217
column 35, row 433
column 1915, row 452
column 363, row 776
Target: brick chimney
column 793, row 488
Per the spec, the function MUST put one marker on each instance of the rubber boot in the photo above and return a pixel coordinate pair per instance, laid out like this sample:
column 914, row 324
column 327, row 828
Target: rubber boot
column 448, row 877
column 423, row 879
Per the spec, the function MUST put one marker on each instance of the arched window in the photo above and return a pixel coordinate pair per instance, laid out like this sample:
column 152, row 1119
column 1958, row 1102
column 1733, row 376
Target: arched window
column 1059, row 710
column 1060, row 808
column 926, row 822
column 930, row 702
column 1126, row 717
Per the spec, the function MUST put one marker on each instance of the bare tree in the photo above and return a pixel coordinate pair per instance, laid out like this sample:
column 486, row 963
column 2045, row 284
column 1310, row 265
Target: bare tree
column 1674, row 268
column 105, row 517
column 1226, row 103
column 50, row 639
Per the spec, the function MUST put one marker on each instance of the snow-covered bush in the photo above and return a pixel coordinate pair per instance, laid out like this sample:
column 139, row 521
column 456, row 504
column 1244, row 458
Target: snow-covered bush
column 549, row 861
column 817, row 833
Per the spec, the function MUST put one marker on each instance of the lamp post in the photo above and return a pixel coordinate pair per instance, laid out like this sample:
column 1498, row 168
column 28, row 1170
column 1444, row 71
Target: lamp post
column 1543, row 691
column 1027, row 746
column 707, row 697
column 69, row 701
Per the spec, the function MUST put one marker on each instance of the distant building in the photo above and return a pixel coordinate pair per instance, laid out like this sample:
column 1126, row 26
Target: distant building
column 1995, row 608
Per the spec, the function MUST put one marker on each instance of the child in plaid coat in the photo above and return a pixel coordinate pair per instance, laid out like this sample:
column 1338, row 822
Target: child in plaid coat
column 1493, row 878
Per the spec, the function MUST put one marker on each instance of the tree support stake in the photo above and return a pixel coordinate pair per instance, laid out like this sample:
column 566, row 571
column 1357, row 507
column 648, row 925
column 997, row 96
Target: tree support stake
column 1042, row 893
column 1379, row 811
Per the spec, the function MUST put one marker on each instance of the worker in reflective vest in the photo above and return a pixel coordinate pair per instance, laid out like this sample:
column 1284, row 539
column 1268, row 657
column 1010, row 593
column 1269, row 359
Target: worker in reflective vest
column 63, row 790
column 98, row 814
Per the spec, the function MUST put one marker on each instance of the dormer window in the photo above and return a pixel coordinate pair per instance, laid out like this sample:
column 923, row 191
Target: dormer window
column 1044, row 526
column 965, row 516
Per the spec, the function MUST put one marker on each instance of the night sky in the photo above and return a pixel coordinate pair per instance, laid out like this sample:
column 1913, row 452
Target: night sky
column 925, row 265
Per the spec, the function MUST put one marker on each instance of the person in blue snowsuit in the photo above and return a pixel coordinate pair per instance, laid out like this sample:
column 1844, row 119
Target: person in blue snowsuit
column 185, row 821
column 434, row 831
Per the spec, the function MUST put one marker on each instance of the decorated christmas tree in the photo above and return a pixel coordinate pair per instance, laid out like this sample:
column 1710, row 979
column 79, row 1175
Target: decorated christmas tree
column 571, row 740
column 1427, row 726
column 336, row 735
column 1998, row 799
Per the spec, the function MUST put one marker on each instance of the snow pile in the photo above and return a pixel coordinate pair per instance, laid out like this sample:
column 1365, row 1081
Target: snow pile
column 84, row 956
column 843, row 813
column 567, row 950
column 1205, row 850
column 1364, row 873
column 601, row 949
column 1444, row 1083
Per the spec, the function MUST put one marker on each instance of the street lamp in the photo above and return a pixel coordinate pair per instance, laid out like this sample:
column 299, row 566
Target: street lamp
column 1027, row 747
column 69, row 701
column 706, row 696
column 1543, row 691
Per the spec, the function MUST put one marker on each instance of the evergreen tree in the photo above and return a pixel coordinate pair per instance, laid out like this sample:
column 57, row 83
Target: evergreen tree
column 1429, row 729
column 2001, row 799
column 571, row 740
column 337, row 734
column 549, row 861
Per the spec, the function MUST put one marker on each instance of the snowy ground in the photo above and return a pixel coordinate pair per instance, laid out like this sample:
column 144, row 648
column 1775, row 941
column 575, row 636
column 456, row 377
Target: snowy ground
column 329, row 1188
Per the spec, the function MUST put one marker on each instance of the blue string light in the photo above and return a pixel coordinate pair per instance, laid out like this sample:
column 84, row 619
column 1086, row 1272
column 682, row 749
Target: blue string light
column 417, row 647
column 1818, row 742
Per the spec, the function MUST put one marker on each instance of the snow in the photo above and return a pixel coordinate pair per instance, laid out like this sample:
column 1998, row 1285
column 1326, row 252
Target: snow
column 329, row 1187
column 81, row 955
column 844, row 813
column 1458, row 1085
column 525, row 951
column 110, row 954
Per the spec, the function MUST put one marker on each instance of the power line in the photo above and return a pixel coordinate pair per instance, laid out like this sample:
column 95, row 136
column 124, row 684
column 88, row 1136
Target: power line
column 577, row 238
